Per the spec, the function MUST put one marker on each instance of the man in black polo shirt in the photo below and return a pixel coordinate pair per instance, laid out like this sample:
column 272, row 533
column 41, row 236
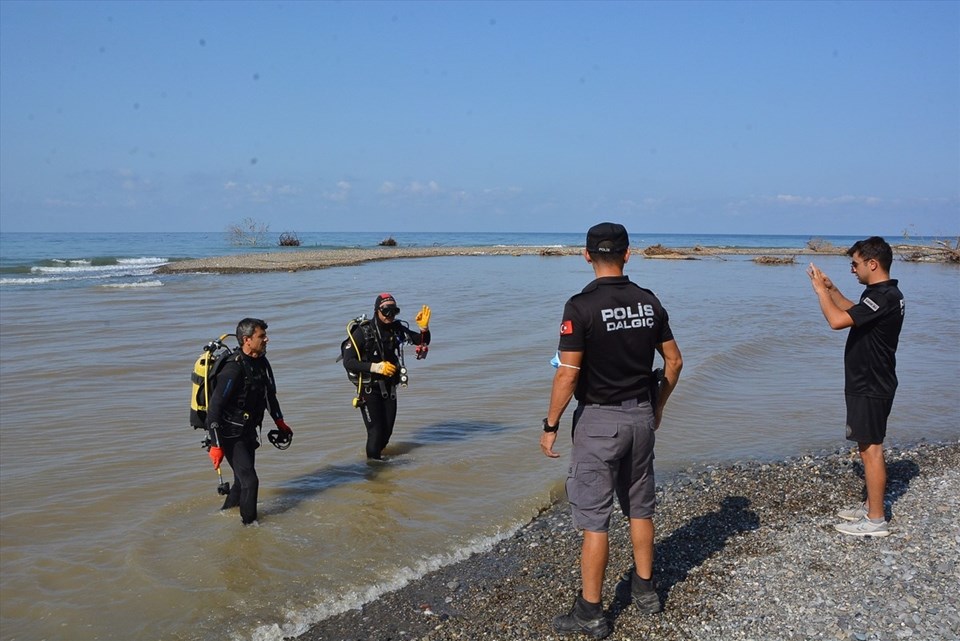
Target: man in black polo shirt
column 869, row 363
column 608, row 337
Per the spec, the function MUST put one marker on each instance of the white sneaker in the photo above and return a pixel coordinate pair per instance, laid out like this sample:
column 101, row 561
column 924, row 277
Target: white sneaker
column 853, row 513
column 864, row 527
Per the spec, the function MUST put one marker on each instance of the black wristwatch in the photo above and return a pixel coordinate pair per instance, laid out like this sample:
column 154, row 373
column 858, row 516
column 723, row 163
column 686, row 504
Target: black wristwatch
column 550, row 428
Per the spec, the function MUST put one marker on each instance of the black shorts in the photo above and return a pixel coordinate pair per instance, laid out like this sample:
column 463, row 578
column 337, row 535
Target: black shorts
column 867, row 418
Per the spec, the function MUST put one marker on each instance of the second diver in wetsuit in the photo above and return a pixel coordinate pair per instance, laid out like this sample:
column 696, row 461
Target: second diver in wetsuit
column 374, row 353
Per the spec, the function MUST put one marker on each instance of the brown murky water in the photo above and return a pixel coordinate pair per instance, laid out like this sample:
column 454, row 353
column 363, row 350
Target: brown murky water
column 110, row 527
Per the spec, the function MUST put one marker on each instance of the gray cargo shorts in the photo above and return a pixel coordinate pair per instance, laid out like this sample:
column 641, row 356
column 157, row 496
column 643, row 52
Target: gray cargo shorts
column 612, row 453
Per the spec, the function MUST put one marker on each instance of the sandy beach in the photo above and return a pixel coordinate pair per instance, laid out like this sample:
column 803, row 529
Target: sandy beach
column 745, row 551
column 297, row 260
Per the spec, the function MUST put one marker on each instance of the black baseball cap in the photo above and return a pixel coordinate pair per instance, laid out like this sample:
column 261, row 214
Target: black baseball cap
column 608, row 238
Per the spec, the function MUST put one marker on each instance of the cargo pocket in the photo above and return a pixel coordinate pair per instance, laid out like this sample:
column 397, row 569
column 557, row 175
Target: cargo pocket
column 587, row 485
column 603, row 430
column 596, row 424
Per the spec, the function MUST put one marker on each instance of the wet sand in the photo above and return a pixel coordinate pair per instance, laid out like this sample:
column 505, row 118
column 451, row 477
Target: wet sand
column 297, row 259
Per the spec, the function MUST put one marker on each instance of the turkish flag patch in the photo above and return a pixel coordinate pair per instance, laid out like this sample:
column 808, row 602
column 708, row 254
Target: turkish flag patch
column 566, row 327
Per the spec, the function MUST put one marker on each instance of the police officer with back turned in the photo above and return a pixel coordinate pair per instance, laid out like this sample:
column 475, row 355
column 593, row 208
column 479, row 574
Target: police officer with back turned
column 608, row 337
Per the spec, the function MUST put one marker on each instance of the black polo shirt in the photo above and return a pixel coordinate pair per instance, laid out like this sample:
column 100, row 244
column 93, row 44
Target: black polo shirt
column 617, row 325
column 870, row 357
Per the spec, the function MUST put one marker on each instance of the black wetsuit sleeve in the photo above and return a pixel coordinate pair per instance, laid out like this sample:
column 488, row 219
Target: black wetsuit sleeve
column 416, row 338
column 352, row 362
column 229, row 385
column 273, row 405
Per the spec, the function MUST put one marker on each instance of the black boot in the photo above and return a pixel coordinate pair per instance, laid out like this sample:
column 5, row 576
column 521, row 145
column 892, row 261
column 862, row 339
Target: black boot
column 584, row 617
column 641, row 592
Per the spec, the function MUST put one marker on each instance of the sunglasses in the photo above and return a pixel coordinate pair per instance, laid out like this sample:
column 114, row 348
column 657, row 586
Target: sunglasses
column 389, row 310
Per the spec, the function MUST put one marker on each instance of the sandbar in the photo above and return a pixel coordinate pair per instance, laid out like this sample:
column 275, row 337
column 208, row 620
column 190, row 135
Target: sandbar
column 296, row 259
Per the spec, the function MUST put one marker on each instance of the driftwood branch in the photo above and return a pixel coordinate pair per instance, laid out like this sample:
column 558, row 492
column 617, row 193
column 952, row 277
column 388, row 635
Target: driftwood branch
column 941, row 251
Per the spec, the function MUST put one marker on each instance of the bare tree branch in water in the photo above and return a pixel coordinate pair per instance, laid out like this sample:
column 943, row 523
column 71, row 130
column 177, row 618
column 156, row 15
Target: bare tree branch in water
column 248, row 231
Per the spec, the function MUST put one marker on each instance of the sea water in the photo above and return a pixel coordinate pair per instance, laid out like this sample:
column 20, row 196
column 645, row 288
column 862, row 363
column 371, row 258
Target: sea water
column 128, row 260
column 109, row 515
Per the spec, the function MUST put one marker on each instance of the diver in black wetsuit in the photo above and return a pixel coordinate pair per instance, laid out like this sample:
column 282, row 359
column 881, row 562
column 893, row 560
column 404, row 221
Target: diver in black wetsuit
column 245, row 390
column 374, row 352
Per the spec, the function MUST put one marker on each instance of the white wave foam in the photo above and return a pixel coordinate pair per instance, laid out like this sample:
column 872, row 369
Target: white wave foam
column 29, row 281
column 299, row 622
column 137, row 285
column 84, row 267
column 78, row 271
column 144, row 260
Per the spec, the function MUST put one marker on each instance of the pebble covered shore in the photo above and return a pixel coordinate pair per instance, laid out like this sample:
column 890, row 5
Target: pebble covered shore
column 743, row 552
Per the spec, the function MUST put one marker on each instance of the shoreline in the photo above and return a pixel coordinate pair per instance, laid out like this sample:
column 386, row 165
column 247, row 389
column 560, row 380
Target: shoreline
column 743, row 551
column 298, row 260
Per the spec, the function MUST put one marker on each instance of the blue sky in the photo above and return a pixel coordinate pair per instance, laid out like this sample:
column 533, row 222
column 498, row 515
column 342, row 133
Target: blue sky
column 716, row 117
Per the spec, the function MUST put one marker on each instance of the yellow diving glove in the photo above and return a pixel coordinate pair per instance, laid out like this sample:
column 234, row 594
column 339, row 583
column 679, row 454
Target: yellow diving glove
column 386, row 368
column 423, row 318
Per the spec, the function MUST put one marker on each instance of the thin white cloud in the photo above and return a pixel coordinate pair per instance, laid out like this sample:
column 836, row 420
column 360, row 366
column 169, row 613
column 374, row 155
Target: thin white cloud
column 430, row 187
column 258, row 193
column 341, row 194
column 501, row 192
column 102, row 189
column 129, row 180
column 413, row 189
column 793, row 200
column 646, row 204
column 821, row 201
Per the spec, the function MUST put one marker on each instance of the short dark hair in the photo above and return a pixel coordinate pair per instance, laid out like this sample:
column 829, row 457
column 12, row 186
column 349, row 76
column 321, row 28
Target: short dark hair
column 873, row 248
column 616, row 260
column 248, row 326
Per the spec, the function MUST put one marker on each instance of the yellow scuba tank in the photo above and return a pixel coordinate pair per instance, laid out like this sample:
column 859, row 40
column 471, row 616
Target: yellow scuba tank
column 203, row 378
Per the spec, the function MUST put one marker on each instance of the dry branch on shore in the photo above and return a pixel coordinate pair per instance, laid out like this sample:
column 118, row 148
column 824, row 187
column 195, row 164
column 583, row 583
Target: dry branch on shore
column 659, row 251
column 941, row 251
column 775, row 260
column 821, row 245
